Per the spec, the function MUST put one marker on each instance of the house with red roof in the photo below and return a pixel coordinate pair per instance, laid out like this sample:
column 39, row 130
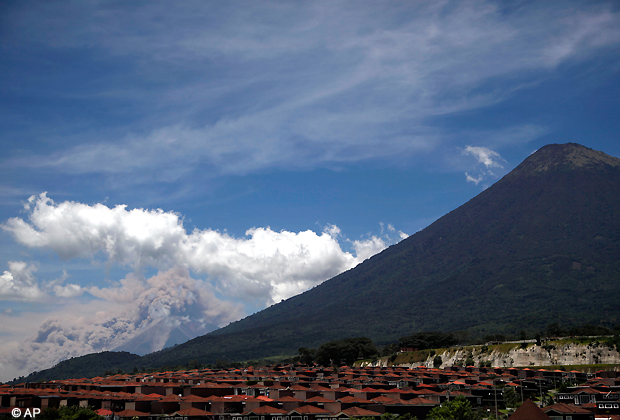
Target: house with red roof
column 561, row 411
column 308, row 412
column 529, row 411
column 353, row 412
column 305, row 393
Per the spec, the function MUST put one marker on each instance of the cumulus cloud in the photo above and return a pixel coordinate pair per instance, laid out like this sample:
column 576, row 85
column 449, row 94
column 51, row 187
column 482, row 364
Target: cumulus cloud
column 368, row 248
column 140, row 315
column 264, row 265
column 68, row 291
column 18, row 283
column 159, row 305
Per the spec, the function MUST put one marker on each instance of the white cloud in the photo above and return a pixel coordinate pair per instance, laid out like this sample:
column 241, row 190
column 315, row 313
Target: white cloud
column 486, row 156
column 18, row 283
column 264, row 266
column 368, row 248
column 68, row 291
column 139, row 315
column 588, row 29
column 475, row 180
column 318, row 84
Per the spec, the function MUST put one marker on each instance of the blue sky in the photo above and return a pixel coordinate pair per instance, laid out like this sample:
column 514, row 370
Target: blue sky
column 185, row 164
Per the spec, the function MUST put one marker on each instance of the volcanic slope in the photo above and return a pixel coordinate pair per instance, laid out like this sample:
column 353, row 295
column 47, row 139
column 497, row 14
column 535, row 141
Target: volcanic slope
column 539, row 246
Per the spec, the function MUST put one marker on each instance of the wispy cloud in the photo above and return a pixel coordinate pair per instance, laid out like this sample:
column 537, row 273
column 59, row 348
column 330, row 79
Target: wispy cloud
column 485, row 156
column 304, row 85
column 487, row 159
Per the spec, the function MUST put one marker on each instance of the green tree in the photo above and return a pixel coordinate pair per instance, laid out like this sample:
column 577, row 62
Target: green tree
column 428, row 340
column 390, row 349
column 538, row 339
column 547, row 399
column 510, row 397
column 306, row 355
column 589, row 329
column 554, row 330
column 391, row 416
column 345, row 351
column 69, row 413
column 437, row 361
column 457, row 409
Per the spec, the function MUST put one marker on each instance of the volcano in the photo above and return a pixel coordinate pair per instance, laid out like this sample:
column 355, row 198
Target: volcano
column 540, row 246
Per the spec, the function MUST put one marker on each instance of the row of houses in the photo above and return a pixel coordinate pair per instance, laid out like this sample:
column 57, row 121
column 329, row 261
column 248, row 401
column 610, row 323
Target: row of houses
column 299, row 392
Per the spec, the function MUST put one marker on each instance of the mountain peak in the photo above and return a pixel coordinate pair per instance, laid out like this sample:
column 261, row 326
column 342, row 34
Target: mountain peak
column 564, row 157
column 539, row 249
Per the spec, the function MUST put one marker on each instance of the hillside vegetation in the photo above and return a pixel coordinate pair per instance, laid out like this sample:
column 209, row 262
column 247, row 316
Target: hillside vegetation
column 538, row 247
column 88, row 366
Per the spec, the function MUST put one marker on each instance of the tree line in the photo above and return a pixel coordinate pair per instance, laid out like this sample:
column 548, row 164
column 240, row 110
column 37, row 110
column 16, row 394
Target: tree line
column 349, row 350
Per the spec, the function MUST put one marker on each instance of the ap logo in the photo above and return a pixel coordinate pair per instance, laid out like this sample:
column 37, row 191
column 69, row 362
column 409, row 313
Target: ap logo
column 28, row 413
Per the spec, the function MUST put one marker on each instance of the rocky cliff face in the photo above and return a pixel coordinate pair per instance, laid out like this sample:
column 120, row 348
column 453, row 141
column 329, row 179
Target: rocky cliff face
column 555, row 353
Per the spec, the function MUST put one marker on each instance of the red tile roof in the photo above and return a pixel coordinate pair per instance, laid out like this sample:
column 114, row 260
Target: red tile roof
column 529, row 411
column 385, row 400
column 566, row 409
column 291, row 399
column 360, row 412
column 420, row 401
column 195, row 398
column 309, row 409
column 319, row 399
column 193, row 412
column 352, row 400
column 299, row 388
column 104, row 412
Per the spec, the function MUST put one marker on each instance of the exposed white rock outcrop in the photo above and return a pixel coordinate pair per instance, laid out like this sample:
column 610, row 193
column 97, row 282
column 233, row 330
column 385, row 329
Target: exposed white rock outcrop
column 521, row 355
column 533, row 355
